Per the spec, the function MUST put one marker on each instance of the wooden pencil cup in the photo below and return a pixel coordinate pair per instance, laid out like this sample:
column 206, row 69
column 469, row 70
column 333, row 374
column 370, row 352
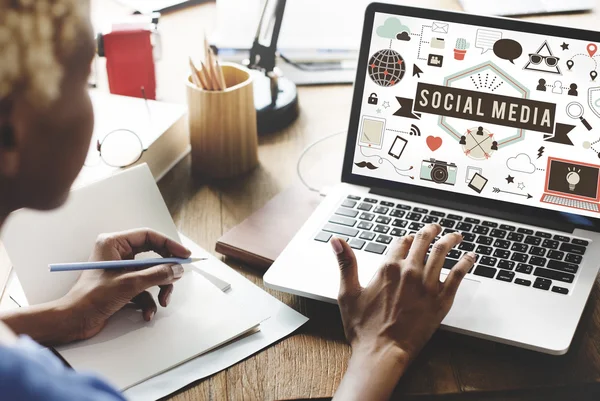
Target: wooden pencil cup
column 223, row 130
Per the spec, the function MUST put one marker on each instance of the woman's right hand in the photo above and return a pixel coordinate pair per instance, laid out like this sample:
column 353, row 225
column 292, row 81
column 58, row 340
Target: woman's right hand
column 391, row 319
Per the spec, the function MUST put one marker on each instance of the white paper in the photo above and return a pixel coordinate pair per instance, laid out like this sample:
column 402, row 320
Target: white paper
column 284, row 321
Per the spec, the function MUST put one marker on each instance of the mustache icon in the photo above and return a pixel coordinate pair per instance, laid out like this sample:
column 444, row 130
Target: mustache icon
column 368, row 165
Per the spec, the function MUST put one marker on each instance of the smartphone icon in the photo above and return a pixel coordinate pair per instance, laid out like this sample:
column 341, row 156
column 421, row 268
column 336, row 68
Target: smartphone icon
column 398, row 147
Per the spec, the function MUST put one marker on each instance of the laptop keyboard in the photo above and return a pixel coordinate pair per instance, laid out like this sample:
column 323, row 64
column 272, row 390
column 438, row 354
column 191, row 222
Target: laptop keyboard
column 557, row 200
column 517, row 255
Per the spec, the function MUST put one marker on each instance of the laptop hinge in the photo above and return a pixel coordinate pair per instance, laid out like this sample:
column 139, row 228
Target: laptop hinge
column 538, row 221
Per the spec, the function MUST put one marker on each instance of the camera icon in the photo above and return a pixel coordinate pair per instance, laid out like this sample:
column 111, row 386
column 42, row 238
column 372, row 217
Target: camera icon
column 439, row 172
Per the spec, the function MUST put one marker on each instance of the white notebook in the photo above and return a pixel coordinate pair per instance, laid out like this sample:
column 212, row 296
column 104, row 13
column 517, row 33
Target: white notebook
column 129, row 350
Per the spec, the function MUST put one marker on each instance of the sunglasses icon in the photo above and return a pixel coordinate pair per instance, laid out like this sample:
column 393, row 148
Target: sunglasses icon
column 551, row 61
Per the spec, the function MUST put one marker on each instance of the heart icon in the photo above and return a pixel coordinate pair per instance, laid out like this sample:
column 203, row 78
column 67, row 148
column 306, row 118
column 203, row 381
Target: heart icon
column 434, row 142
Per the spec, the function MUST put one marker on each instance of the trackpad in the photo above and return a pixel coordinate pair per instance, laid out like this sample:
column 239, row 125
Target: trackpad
column 461, row 309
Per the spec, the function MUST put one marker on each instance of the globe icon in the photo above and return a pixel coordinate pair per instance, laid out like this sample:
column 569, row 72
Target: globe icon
column 386, row 67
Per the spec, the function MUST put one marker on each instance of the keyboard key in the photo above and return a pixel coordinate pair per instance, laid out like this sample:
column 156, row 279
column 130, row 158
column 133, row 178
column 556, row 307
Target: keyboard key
column 383, row 220
column 342, row 237
column 537, row 251
column 420, row 210
column 416, row 226
column 560, row 290
column 397, row 232
column 400, row 223
column 481, row 230
column 437, row 214
column 454, row 254
column 562, row 238
column 397, row 213
column 430, row 219
column 365, row 206
column 448, row 231
column 357, row 243
column 502, row 244
column 531, row 240
column 375, row 248
column 498, row 233
column 487, row 261
column 543, row 234
column 515, row 237
column 576, row 249
column 520, row 281
column 449, row 263
column 523, row 268
column 484, row 250
column 464, row 226
column 403, row 207
column 507, row 227
column 573, row 258
column 414, row 216
column 501, row 253
column 323, row 237
column 447, row 223
column 367, row 216
column 388, row 204
column 381, row 210
column 349, row 203
column 506, row 264
column 485, row 271
column 519, row 248
column 454, row 217
column 489, row 224
column 381, row 229
column 550, row 244
column 556, row 255
column 504, row 275
column 468, row 237
column 344, row 221
column 466, row 246
column 519, row 257
column 562, row 266
column 384, row 239
column 367, row 235
column 537, row 261
column 347, row 231
column 471, row 220
column 485, row 240
column 363, row 225
column 371, row 200
column 354, row 197
column 542, row 284
column 554, row 275
column 525, row 231
column 580, row 242
column 342, row 211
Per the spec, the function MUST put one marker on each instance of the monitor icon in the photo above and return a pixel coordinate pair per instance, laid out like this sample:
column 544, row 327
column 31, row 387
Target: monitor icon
column 371, row 132
column 572, row 184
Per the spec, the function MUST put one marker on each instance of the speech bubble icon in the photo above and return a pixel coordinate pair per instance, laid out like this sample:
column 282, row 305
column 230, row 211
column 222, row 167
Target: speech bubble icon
column 486, row 38
column 508, row 49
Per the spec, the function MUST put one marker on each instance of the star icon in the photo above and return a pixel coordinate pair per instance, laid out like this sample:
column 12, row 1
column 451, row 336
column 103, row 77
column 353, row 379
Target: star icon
column 386, row 104
column 378, row 111
column 521, row 186
column 510, row 180
column 565, row 46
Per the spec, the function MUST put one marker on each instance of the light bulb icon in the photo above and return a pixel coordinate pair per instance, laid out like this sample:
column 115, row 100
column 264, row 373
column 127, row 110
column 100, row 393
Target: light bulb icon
column 573, row 178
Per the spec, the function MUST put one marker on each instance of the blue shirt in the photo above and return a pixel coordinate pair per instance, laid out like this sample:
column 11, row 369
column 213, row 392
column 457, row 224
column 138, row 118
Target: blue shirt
column 29, row 372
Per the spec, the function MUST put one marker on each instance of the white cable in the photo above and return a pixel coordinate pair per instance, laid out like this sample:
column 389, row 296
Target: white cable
column 305, row 151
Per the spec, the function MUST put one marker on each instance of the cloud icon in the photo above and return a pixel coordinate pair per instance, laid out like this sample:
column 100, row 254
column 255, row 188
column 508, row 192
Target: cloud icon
column 392, row 27
column 403, row 36
column 521, row 163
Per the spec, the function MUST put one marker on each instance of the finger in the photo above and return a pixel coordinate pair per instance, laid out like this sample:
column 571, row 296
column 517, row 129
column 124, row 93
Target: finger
column 438, row 254
column 421, row 243
column 399, row 248
column 146, row 303
column 144, row 240
column 457, row 274
column 164, row 296
column 158, row 275
column 349, row 283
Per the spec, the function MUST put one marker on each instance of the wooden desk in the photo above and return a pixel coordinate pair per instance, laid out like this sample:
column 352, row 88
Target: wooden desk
column 310, row 364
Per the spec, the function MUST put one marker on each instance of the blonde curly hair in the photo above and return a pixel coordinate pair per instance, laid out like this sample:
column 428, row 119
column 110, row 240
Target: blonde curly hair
column 36, row 36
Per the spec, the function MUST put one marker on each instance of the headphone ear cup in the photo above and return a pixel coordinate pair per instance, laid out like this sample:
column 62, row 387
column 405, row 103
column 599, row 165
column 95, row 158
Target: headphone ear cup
column 7, row 136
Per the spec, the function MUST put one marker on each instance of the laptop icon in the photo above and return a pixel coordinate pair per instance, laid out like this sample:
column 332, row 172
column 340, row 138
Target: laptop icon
column 572, row 184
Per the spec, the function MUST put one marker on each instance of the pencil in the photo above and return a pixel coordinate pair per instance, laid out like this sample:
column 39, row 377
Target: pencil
column 195, row 76
column 220, row 74
column 206, row 74
column 121, row 264
column 210, row 63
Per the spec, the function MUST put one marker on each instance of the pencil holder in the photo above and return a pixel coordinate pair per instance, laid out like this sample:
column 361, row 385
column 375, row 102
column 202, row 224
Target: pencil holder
column 223, row 130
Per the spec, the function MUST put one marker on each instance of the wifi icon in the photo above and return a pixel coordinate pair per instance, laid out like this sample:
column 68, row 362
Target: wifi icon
column 414, row 130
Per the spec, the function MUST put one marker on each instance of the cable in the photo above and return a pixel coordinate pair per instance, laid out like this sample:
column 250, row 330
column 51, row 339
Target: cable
column 305, row 151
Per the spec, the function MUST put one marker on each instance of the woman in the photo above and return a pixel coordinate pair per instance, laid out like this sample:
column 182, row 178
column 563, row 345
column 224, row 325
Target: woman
column 46, row 121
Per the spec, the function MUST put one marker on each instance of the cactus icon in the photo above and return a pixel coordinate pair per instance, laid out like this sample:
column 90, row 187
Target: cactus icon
column 461, row 48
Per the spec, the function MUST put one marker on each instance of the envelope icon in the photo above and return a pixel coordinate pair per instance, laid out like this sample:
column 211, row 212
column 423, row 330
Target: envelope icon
column 440, row 27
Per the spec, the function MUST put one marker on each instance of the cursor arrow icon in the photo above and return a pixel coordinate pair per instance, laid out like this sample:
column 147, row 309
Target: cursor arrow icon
column 417, row 71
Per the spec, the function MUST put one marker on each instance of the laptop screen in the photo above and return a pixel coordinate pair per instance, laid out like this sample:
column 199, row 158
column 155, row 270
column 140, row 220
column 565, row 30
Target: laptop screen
column 481, row 111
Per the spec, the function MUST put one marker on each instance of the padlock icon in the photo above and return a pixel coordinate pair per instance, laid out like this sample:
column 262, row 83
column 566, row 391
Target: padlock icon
column 373, row 99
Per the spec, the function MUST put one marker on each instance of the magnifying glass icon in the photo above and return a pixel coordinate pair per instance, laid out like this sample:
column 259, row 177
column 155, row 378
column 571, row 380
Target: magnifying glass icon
column 575, row 111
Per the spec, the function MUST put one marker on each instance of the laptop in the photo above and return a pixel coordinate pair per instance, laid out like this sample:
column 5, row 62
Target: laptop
column 525, row 7
column 462, row 120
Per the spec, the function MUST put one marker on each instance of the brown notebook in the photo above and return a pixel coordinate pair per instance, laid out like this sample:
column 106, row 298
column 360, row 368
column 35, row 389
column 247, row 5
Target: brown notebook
column 260, row 238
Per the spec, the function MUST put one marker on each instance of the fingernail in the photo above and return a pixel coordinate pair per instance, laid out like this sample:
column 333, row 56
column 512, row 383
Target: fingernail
column 168, row 298
column 152, row 315
column 337, row 246
column 177, row 271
